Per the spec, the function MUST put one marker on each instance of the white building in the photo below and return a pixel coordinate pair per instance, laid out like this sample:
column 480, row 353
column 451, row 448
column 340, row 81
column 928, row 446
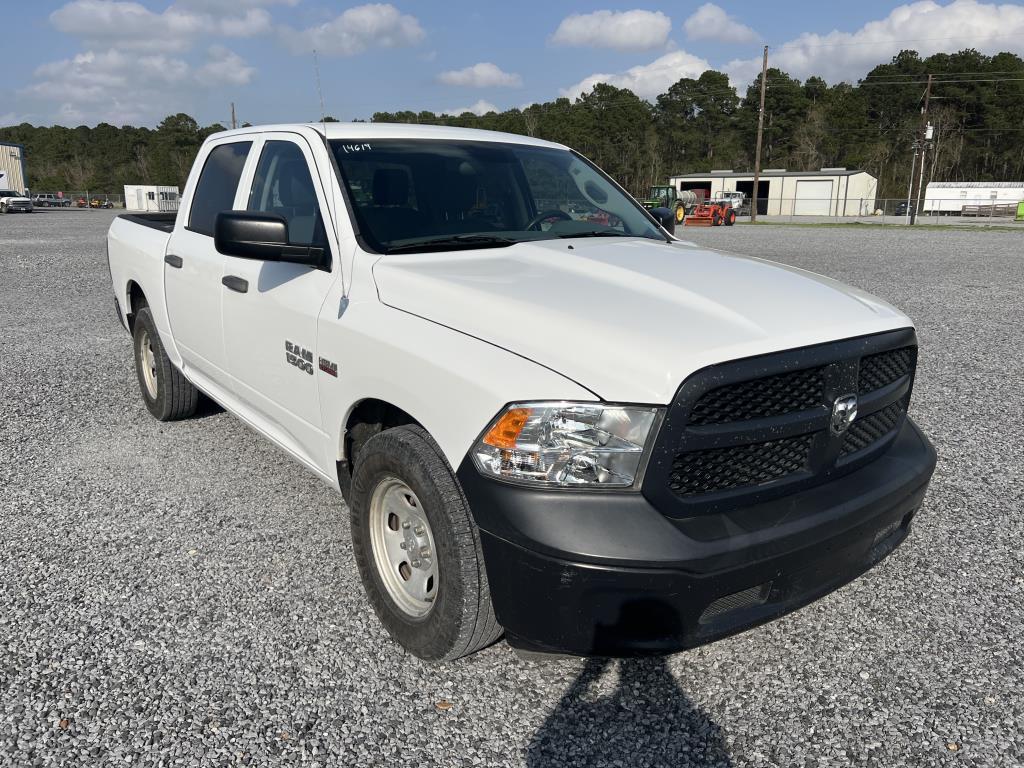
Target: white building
column 828, row 192
column 12, row 167
column 952, row 196
column 150, row 197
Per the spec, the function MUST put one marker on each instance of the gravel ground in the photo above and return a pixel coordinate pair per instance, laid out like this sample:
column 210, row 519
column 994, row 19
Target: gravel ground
column 184, row 594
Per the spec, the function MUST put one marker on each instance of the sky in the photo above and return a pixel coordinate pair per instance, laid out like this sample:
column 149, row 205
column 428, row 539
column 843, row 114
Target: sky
column 81, row 62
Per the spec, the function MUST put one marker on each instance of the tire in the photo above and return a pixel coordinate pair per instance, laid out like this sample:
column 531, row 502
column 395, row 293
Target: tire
column 168, row 395
column 715, row 219
column 680, row 214
column 404, row 466
column 730, row 218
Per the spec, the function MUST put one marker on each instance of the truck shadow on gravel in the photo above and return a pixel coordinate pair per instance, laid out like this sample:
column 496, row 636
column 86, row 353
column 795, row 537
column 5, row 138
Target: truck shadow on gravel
column 646, row 721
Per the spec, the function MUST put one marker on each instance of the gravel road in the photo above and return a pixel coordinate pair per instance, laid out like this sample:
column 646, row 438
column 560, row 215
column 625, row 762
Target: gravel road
column 184, row 594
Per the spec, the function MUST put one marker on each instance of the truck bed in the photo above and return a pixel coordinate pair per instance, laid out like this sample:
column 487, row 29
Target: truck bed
column 162, row 220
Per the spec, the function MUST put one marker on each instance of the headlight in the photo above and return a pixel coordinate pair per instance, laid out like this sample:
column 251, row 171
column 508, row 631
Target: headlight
column 568, row 444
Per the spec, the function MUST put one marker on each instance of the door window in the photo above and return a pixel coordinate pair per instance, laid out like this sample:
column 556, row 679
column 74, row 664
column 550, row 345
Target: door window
column 218, row 182
column 284, row 186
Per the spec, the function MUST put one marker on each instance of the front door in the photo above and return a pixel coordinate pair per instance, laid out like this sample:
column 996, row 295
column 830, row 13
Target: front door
column 270, row 310
column 193, row 268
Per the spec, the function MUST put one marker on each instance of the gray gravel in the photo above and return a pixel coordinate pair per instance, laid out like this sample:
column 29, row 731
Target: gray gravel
column 184, row 594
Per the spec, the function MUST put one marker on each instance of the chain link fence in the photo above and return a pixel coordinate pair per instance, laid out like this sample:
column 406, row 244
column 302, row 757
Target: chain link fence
column 86, row 198
column 886, row 210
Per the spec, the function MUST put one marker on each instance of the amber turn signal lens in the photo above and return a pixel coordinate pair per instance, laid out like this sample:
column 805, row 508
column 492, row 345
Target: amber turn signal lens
column 506, row 430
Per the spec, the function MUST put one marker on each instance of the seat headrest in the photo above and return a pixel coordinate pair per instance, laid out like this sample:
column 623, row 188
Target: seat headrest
column 390, row 187
column 294, row 187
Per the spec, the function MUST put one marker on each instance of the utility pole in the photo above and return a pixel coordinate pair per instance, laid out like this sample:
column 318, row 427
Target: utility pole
column 234, row 123
column 760, row 134
column 925, row 138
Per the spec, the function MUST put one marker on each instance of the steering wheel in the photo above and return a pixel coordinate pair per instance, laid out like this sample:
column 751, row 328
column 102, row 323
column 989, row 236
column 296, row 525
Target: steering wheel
column 554, row 213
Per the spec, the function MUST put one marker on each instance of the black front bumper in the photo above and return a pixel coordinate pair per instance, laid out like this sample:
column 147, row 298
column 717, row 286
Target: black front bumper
column 599, row 573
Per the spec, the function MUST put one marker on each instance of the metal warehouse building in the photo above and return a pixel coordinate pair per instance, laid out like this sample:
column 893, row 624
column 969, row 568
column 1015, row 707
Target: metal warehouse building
column 12, row 167
column 828, row 192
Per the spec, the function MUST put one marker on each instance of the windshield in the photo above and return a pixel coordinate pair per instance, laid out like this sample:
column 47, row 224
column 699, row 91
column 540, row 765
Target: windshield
column 429, row 195
column 8, row 193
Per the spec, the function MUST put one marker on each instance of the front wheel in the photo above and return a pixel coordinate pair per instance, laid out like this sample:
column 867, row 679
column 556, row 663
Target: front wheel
column 168, row 395
column 417, row 548
column 730, row 218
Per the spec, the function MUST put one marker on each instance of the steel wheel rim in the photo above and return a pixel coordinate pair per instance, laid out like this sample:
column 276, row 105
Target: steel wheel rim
column 402, row 544
column 147, row 362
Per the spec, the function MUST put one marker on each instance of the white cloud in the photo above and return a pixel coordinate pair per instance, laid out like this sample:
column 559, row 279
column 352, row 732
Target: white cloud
column 224, row 67
column 480, row 108
column 621, row 30
column 378, row 25
column 710, row 22
column 482, row 75
column 123, row 87
column 646, row 80
column 132, row 26
column 926, row 27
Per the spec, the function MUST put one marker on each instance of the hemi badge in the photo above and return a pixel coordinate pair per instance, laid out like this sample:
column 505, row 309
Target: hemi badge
column 328, row 367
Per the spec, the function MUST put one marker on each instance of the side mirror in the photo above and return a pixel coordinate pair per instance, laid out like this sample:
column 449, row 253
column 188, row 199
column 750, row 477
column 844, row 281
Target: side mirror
column 666, row 217
column 263, row 236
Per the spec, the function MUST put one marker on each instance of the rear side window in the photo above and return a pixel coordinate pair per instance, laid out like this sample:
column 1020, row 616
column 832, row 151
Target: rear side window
column 215, row 191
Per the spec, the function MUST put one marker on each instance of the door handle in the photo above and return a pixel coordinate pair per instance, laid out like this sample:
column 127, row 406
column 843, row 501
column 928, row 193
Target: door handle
column 235, row 283
column 174, row 261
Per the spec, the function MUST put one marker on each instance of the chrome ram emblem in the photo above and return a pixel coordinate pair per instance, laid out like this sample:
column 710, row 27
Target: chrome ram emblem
column 844, row 411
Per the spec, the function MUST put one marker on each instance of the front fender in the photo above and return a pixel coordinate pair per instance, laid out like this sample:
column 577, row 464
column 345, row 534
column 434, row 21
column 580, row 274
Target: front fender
column 451, row 383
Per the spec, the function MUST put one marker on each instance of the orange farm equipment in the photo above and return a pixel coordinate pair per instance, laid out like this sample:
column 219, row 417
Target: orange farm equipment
column 711, row 215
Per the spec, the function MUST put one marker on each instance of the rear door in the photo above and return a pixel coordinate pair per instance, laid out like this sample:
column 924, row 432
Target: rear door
column 193, row 268
column 270, row 316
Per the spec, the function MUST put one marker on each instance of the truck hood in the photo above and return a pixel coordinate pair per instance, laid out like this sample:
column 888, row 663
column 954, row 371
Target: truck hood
column 629, row 319
column 14, row 199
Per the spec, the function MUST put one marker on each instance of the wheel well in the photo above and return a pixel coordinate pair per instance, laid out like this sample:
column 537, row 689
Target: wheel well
column 136, row 301
column 368, row 418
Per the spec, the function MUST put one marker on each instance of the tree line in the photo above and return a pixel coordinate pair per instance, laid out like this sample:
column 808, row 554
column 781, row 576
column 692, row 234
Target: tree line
column 698, row 124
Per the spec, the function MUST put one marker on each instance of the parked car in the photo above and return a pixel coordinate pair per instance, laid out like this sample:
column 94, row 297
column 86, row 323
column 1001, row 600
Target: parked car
column 901, row 209
column 12, row 201
column 50, row 200
column 588, row 435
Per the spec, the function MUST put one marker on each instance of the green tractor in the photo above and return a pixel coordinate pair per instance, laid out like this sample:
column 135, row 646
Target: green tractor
column 668, row 197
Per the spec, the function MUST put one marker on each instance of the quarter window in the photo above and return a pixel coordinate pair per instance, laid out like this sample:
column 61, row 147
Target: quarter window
column 218, row 182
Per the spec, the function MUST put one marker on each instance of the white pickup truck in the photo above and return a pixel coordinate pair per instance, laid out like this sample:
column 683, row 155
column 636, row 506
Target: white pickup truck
column 573, row 429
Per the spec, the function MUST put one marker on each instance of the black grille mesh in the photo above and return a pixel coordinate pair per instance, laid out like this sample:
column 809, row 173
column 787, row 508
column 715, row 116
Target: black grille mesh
column 869, row 429
column 876, row 371
column 758, row 398
column 718, row 469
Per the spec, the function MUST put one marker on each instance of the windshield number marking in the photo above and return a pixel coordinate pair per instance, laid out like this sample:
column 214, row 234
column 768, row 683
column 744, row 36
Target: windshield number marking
column 350, row 148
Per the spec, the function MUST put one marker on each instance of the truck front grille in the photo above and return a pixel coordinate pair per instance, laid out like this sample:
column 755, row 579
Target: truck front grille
column 731, row 437
column 718, row 469
column 759, row 398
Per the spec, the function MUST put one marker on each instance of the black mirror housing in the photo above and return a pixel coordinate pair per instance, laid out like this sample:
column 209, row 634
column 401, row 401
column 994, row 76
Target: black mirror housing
column 262, row 236
column 666, row 217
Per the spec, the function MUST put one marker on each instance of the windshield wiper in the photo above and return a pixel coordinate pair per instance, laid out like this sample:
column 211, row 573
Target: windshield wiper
column 596, row 233
column 468, row 241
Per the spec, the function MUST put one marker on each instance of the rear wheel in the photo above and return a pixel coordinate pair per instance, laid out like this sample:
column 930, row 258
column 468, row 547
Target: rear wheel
column 417, row 548
column 168, row 395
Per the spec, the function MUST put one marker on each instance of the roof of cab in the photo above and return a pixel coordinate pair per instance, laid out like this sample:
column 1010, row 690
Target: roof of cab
column 369, row 131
